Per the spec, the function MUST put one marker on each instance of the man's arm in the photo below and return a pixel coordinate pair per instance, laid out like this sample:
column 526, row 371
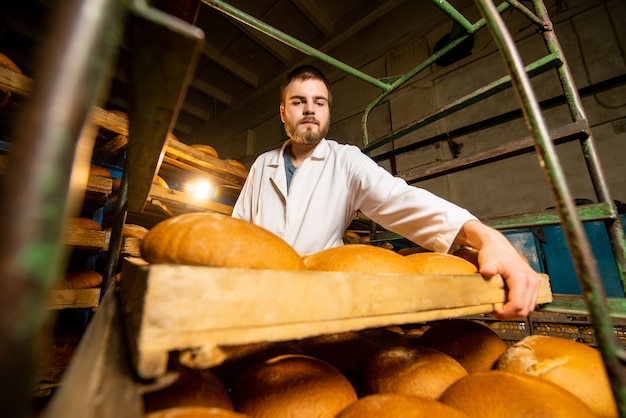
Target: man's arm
column 496, row 255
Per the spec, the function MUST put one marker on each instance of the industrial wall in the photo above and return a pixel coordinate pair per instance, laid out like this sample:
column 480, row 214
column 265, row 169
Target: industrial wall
column 593, row 36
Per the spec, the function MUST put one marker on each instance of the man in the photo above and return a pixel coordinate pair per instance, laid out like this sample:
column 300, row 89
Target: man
column 307, row 192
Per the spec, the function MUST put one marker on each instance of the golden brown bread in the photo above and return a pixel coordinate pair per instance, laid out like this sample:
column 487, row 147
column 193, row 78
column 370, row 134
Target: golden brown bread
column 236, row 163
column 242, row 357
column 119, row 113
column 159, row 181
column 439, row 263
column 347, row 351
column 134, row 231
column 195, row 412
column 413, row 371
column 292, row 385
column 96, row 170
column 497, row 394
column 213, row 239
column 474, row 345
column 393, row 405
column 574, row 366
column 83, row 223
column 81, row 279
column 8, row 63
column 471, row 255
column 359, row 258
column 207, row 149
column 194, row 387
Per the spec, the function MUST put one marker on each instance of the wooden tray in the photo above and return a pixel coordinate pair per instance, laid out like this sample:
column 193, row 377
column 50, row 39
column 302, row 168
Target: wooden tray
column 199, row 310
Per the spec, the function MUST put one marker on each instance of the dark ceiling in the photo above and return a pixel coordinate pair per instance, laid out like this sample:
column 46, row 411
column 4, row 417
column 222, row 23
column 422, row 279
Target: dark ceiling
column 236, row 61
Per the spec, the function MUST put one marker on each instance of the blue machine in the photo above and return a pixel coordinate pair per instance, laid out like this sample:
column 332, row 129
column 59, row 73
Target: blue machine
column 547, row 252
column 559, row 265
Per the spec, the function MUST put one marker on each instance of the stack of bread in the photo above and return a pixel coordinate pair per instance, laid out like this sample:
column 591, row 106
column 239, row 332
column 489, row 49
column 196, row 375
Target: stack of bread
column 279, row 380
column 455, row 368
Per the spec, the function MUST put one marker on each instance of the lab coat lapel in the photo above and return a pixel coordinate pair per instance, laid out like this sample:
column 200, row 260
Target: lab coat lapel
column 279, row 177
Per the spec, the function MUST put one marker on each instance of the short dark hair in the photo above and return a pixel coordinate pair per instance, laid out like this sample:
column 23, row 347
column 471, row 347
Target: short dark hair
column 304, row 72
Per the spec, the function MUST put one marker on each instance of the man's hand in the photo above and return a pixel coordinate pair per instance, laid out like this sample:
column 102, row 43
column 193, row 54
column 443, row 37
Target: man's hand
column 496, row 255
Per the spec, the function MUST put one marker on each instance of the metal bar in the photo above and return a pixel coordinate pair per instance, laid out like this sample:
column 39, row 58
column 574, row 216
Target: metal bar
column 40, row 190
column 596, row 172
column 399, row 81
column 538, row 67
column 545, row 24
column 293, row 42
column 455, row 15
column 584, row 262
column 591, row 212
column 115, row 242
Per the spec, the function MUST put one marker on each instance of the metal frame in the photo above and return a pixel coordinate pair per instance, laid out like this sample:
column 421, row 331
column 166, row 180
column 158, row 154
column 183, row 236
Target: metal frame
column 33, row 209
column 585, row 264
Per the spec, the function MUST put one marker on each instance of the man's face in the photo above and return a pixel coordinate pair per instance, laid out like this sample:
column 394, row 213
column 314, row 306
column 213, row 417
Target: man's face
column 306, row 112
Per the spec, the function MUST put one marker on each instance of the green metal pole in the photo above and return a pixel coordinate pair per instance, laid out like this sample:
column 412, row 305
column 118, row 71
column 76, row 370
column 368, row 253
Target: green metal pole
column 580, row 249
column 39, row 192
column 293, row 42
column 600, row 184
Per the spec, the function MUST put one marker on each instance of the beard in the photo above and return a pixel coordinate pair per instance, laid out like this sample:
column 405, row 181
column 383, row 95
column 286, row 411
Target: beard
column 308, row 136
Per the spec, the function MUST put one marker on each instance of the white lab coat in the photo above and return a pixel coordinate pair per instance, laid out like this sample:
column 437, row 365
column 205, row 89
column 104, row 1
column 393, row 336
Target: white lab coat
column 326, row 191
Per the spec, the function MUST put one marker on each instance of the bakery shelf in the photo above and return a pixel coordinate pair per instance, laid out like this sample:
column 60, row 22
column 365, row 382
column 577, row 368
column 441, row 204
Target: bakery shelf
column 73, row 298
column 198, row 310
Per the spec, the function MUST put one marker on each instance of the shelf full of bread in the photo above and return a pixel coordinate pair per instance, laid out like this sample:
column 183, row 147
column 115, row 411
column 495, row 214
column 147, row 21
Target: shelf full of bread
column 217, row 180
column 189, row 178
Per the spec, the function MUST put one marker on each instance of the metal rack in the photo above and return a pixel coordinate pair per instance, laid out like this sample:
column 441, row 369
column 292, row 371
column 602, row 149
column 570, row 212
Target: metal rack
column 31, row 219
column 542, row 141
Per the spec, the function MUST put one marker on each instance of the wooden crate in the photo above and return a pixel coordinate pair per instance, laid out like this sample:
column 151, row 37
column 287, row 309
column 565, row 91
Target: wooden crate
column 198, row 310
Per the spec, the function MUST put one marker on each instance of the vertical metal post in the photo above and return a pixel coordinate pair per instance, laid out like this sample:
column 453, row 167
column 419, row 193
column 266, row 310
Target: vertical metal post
column 38, row 191
column 596, row 172
column 580, row 249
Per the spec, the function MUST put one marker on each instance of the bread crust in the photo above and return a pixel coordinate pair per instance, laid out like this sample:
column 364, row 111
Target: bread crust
column 213, row 239
column 394, row 405
column 412, row 371
column 496, row 394
column 207, row 149
column 81, row 279
column 359, row 258
column 569, row 364
column 439, row 263
column 474, row 345
column 195, row 412
column 292, row 385
column 84, row 223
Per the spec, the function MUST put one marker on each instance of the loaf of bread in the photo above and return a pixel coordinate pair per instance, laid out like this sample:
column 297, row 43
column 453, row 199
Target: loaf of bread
column 411, row 370
column 194, row 387
column 346, row 351
column 393, row 405
column 83, row 223
column 439, row 263
column 99, row 171
column 359, row 258
column 81, row 279
column 572, row 365
column 195, row 412
column 8, row 63
column 236, row 163
column 474, row 345
column 134, row 231
column 469, row 254
column 292, row 386
column 497, row 394
column 213, row 239
column 160, row 181
column 207, row 149
column 241, row 357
